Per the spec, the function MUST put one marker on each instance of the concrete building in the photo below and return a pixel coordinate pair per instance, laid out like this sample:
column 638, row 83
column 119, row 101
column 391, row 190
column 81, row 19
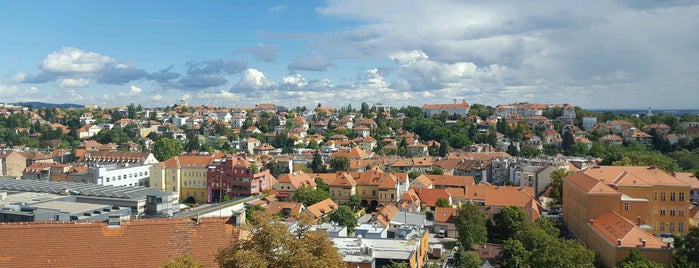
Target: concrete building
column 411, row 248
column 452, row 109
column 116, row 168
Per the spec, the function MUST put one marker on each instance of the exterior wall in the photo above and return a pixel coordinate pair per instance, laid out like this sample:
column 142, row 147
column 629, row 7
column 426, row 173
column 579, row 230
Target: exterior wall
column 368, row 193
column 388, row 196
column 671, row 223
column 13, row 164
column 123, row 176
column 579, row 207
column 285, row 187
column 341, row 194
column 194, row 184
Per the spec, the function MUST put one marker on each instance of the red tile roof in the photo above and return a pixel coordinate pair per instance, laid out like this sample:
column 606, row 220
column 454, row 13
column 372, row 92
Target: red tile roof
column 139, row 243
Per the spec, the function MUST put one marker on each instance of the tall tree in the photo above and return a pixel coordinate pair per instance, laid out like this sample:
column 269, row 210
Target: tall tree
column 317, row 163
column 353, row 202
column 340, row 163
column 165, row 148
column 344, row 215
column 509, row 220
column 271, row 244
column 687, row 249
column 309, row 196
column 470, row 224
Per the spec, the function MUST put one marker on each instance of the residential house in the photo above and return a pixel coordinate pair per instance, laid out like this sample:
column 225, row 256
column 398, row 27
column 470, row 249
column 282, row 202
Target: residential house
column 611, row 139
column 494, row 198
column 429, row 197
column 444, row 222
column 289, row 183
column 342, row 187
column 322, row 208
column 285, row 209
column 233, row 176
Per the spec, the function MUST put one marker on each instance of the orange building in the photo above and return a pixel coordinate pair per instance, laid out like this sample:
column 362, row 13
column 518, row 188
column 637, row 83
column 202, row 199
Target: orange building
column 614, row 209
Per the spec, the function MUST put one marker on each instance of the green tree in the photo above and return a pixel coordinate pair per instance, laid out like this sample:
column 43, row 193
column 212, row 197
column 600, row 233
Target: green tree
column 636, row 260
column 514, row 255
column 470, row 224
column 508, row 221
column 187, row 261
column 568, row 140
column 557, row 184
column 469, row 259
column 413, row 174
column 165, row 148
column 340, row 163
column 250, row 209
column 397, row 265
column 438, row 171
column 320, row 184
column 271, row 244
column 309, row 196
column 353, row 202
column 546, row 224
column 529, row 152
column 317, row 163
column 687, row 249
column 344, row 215
column 512, row 149
column 442, row 203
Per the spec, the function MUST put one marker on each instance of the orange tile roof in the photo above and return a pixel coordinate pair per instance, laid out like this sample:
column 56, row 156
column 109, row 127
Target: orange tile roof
column 589, row 184
column 138, row 243
column 450, row 180
column 276, row 207
column 444, row 214
column 321, row 208
column 617, row 229
column 429, row 196
column 688, row 178
column 188, row 161
column 386, row 214
column 633, row 176
column 343, row 179
column 298, row 179
column 461, row 105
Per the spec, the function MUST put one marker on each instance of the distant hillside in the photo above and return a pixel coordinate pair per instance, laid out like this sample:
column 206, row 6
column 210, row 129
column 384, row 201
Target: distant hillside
column 44, row 105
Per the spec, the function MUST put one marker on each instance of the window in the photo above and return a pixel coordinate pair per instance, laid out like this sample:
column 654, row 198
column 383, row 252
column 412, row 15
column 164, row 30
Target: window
column 680, row 227
column 662, row 211
column 655, row 195
column 662, row 196
column 681, row 196
column 626, row 206
column 662, row 226
column 672, row 211
column 672, row 196
column 672, row 227
column 682, row 212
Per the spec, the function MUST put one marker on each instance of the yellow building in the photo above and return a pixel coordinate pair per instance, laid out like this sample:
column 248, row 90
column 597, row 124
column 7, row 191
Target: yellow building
column 614, row 209
column 373, row 186
column 185, row 174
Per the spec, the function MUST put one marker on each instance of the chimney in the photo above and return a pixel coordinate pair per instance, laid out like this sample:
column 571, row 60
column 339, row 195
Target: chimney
column 638, row 220
column 618, row 242
column 643, row 243
column 592, row 222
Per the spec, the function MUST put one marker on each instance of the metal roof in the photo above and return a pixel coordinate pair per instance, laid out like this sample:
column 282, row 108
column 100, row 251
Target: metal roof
column 78, row 189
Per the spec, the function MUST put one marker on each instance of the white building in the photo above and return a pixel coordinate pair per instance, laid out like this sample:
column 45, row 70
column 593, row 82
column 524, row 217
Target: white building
column 116, row 168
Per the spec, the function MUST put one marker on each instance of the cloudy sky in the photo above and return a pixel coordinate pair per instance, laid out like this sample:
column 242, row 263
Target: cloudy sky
column 593, row 54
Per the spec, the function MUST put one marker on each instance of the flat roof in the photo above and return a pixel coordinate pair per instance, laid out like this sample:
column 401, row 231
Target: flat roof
column 28, row 197
column 71, row 207
column 79, row 189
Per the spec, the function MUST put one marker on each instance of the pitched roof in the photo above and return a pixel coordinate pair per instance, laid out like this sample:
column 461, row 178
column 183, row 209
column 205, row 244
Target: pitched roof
column 188, row 161
column 616, row 229
column 137, row 243
column 298, row 179
column 633, row 176
column 450, row 180
column 589, row 184
column 429, row 196
column 321, row 208
column 444, row 214
column 276, row 207
column 386, row 214
column 688, row 178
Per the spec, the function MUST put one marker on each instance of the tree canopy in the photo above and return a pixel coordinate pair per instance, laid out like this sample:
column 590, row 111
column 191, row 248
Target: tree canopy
column 344, row 215
column 636, row 260
column 340, row 163
column 309, row 196
column 471, row 225
column 271, row 244
column 165, row 148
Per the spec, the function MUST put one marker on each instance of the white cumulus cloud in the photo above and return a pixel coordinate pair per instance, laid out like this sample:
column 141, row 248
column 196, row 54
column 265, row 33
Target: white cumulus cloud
column 74, row 83
column 75, row 60
column 254, row 79
column 295, row 79
column 134, row 91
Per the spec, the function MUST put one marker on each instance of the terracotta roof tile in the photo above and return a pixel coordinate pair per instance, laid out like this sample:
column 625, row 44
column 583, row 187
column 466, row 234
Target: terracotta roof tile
column 139, row 243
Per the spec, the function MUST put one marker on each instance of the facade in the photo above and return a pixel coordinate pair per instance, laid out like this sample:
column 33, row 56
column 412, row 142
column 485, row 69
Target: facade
column 288, row 184
column 376, row 252
column 116, row 168
column 12, row 164
column 184, row 174
column 609, row 208
column 452, row 109
column 233, row 176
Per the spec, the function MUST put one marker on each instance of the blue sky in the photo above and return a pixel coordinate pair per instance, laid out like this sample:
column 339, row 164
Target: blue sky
column 593, row 54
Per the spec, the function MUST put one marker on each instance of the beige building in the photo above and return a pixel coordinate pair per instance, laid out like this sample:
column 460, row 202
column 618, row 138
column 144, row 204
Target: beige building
column 12, row 164
column 185, row 174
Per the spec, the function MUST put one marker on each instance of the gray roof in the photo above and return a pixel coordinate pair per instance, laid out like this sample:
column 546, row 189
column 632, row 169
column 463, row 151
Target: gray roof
column 78, row 189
